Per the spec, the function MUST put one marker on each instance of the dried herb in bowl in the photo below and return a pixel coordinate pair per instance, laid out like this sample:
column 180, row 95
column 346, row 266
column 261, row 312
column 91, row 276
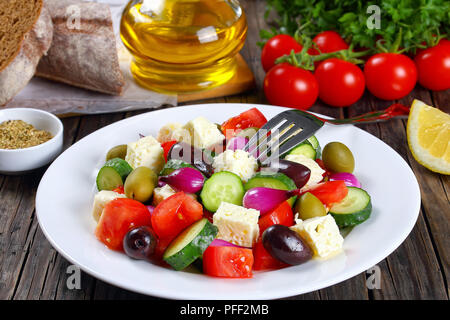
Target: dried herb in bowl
column 18, row 134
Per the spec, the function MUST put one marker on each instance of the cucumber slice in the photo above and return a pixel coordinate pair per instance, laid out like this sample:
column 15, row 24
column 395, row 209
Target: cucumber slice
column 113, row 174
column 190, row 244
column 314, row 142
column 273, row 180
column 305, row 149
column 222, row 186
column 174, row 164
column 354, row 209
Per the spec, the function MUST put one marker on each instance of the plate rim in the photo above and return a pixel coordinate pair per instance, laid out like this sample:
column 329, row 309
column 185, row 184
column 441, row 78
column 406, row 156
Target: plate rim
column 343, row 276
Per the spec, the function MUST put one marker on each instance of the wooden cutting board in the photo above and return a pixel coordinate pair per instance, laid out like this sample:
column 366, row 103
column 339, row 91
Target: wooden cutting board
column 242, row 81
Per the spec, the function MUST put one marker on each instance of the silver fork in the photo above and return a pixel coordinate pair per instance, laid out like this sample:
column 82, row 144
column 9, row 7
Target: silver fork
column 292, row 127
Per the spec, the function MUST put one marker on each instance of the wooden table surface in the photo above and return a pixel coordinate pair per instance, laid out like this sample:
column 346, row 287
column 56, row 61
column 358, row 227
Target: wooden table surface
column 418, row 269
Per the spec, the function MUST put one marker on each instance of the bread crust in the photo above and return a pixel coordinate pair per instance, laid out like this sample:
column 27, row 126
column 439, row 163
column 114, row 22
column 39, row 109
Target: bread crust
column 19, row 71
column 83, row 52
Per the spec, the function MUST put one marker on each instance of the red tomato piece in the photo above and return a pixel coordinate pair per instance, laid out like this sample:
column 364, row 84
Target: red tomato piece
column 166, row 147
column 252, row 118
column 120, row 216
column 329, row 192
column 276, row 47
column 263, row 260
column 280, row 215
column 174, row 214
column 120, row 190
column 228, row 262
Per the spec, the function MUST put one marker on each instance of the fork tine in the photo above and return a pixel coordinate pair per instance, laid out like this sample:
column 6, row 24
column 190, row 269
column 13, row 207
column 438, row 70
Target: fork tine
column 293, row 142
column 272, row 123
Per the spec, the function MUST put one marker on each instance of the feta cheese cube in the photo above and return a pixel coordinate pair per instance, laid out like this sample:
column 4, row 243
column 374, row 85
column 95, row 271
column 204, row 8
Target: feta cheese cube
column 237, row 224
column 201, row 133
column 161, row 194
column 146, row 152
column 165, row 134
column 238, row 162
column 316, row 171
column 100, row 201
column 322, row 234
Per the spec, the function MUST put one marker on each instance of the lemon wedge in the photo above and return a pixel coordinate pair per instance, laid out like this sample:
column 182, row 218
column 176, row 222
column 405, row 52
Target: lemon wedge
column 428, row 133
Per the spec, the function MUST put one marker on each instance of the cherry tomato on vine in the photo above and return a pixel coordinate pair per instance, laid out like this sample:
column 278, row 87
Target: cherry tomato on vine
column 341, row 83
column 390, row 76
column 276, row 47
column 433, row 66
column 328, row 41
column 290, row 86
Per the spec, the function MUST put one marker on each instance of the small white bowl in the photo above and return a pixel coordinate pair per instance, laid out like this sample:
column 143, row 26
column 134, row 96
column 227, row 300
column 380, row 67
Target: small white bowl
column 19, row 161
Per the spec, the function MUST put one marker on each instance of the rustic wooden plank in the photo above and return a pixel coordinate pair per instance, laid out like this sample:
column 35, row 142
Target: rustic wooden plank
column 17, row 205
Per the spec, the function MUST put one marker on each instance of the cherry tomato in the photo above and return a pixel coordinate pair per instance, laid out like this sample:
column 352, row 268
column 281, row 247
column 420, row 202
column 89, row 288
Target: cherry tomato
column 174, row 214
column 228, row 262
column 341, row 83
column 433, row 66
column 280, row 215
column 252, row 118
column 328, row 41
column 263, row 260
column 276, row 47
column 390, row 76
column 329, row 192
column 288, row 86
column 120, row 216
column 166, row 147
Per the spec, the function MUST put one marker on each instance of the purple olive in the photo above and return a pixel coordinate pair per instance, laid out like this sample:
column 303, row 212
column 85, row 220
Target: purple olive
column 286, row 245
column 297, row 172
column 140, row 243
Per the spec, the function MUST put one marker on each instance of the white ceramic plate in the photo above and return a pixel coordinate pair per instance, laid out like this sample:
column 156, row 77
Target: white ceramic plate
column 65, row 195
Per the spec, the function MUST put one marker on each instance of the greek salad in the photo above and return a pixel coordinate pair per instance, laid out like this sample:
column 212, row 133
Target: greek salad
column 194, row 196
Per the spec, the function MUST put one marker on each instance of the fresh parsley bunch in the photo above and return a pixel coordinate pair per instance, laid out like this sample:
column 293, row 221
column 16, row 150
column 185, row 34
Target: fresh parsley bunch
column 405, row 24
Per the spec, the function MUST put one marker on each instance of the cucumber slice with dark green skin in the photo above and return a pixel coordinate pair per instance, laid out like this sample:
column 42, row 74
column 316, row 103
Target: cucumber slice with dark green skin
column 190, row 244
column 113, row 174
column 273, row 180
column 108, row 179
column 223, row 186
column 305, row 149
column 354, row 209
column 315, row 143
column 174, row 164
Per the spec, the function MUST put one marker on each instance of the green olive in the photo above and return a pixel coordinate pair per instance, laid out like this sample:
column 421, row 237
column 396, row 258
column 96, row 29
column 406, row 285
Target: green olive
column 309, row 206
column 337, row 157
column 140, row 184
column 117, row 152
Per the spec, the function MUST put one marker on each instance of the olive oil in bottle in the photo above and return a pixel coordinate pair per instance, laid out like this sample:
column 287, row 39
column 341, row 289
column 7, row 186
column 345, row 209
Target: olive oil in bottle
column 183, row 46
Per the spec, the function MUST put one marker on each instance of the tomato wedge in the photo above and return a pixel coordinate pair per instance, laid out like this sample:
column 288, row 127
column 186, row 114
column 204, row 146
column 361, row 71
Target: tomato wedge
column 174, row 214
column 280, row 215
column 252, row 118
column 228, row 262
column 166, row 147
column 263, row 260
column 329, row 192
column 120, row 216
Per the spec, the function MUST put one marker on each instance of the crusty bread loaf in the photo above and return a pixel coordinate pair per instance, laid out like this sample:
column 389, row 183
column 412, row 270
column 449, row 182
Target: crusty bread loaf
column 83, row 52
column 25, row 36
